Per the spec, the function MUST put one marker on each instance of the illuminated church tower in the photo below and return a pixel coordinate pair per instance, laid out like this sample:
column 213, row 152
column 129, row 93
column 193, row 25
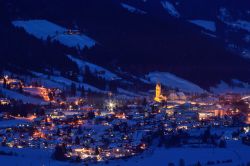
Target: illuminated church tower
column 158, row 96
column 158, row 92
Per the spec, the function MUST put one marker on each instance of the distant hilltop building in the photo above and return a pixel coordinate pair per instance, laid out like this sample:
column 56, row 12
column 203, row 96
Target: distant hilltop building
column 158, row 94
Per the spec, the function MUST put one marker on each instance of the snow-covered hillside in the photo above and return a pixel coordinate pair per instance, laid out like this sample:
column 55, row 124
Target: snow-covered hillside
column 240, row 24
column 208, row 25
column 21, row 97
column 29, row 157
column 98, row 70
column 170, row 8
column 132, row 9
column 43, row 29
column 170, row 80
column 61, row 82
column 13, row 123
column 235, row 86
column 236, row 153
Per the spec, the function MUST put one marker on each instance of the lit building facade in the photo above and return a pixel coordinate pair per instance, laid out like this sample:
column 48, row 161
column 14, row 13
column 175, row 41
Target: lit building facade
column 158, row 94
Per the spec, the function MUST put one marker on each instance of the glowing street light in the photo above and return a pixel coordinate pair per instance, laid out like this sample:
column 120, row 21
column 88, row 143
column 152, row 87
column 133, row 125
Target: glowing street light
column 111, row 105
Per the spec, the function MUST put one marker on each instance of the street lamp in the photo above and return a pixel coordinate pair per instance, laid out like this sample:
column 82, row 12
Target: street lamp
column 111, row 105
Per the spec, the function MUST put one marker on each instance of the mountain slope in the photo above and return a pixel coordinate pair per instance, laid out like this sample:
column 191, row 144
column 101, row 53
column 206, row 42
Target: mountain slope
column 140, row 43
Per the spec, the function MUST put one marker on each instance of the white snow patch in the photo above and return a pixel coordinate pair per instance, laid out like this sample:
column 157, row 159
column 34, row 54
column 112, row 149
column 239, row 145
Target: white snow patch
column 98, row 70
column 12, row 123
column 170, row 8
column 173, row 81
column 61, row 82
column 127, row 93
column 209, row 34
column 145, row 81
column 43, row 29
column 235, row 151
column 29, row 156
column 235, row 87
column 18, row 96
column 206, row 24
column 132, row 9
column 240, row 24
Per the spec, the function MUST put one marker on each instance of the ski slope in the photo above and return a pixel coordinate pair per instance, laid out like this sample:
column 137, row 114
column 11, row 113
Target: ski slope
column 98, row 70
column 42, row 29
column 132, row 9
column 170, row 80
column 24, row 98
column 169, row 7
column 206, row 24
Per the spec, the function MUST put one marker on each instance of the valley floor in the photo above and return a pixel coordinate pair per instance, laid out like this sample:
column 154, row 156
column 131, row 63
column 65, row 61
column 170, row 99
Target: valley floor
column 236, row 153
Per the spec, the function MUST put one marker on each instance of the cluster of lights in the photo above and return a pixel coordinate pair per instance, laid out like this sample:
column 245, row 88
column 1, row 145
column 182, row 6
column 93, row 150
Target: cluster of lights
column 111, row 105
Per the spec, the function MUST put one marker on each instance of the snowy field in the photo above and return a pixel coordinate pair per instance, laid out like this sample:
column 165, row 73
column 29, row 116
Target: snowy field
column 236, row 87
column 173, row 81
column 169, row 7
column 12, row 123
column 43, row 29
column 236, row 152
column 208, row 25
column 127, row 93
column 29, row 157
column 132, row 9
column 22, row 97
column 240, row 24
column 100, row 71
column 62, row 82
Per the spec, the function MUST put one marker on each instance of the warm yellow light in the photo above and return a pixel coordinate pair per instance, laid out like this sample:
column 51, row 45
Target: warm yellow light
column 111, row 105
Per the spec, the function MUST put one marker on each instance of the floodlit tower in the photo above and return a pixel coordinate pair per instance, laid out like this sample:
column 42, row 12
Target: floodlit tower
column 158, row 92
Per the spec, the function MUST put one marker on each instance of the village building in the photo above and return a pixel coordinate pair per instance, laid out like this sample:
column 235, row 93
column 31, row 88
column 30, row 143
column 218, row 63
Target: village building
column 4, row 101
column 158, row 94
